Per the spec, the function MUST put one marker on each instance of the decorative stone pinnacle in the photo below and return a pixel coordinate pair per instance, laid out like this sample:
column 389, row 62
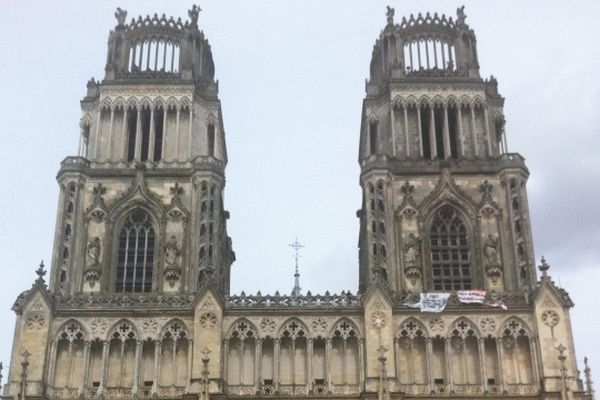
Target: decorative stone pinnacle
column 193, row 14
column 589, row 384
column 120, row 15
column 544, row 267
column 486, row 188
column 40, row 272
column 390, row 15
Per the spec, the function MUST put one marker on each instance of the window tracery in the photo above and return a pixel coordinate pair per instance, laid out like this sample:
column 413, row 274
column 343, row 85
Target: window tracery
column 71, row 332
column 136, row 253
column 450, row 251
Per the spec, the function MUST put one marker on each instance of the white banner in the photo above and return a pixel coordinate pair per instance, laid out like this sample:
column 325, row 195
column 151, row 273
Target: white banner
column 497, row 304
column 471, row 296
column 434, row 302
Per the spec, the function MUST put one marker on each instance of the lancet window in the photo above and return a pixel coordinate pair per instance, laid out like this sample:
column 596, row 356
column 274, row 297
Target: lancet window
column 208, row 222
column 517, row 346
column 70, row 358
column 151, row 54
column 429, row 53
column 344, row 357
column 412, row 353
column 174, row 350
column 450, row 251
column 242, row 354
column 293, row 356
column 464, row 354
column 136, row 253
column 66, row 238
column 121, row 357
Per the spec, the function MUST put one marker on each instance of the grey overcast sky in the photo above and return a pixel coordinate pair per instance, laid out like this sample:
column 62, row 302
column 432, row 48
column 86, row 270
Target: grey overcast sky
column 291, row 76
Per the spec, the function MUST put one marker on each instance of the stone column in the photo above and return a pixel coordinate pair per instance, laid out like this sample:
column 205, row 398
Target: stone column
column 190, row 352
column 500, row 353
column 432, row 139
column 164, row 133
column 138, row 134
column 125, row 133
column 473, row 133
column 419, row 132
column 482, row 366
column 97, row 138
column 393, row 123
column 534, row 361
column 429, row 352
column 136, row 369
column 397, row 357
column 448, row 365
column 309, row 357
column 446, row 134
column 86, row 367
column 111, row 133
column 276, row 351
column 487, row 130
column 157, row 352
column 406, row 133
column 258, row 364
column 152, row 138
column 52, row 363
column 104, row 371
column 328, row 363
column 176, row 156
column 189, row 152
column 225, row 360
column 361, row 364
column 461, row 139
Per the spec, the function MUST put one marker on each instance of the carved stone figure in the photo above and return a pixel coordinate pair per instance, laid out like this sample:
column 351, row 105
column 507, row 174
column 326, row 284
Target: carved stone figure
column 412, row 251
column 120, row 15
column 172, row 252
column 93, row 251
column 490, row 249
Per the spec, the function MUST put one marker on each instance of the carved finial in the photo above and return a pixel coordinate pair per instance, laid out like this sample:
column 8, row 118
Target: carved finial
column 390, row 15
column 407, row 188
column 382, row 350
column 563, row 371
column 40, row 272
column 297, row 246
column 460, row 13
column 589, row 384
column 193, row 13
column 544, row 267
column 176, row 190
column 2, row 367
column 99, row 190
column 486, row 188
column 120, row 15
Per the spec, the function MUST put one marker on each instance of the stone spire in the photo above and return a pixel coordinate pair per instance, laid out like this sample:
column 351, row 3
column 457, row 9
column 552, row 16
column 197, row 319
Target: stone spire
column 296, row 291
column 589, row 387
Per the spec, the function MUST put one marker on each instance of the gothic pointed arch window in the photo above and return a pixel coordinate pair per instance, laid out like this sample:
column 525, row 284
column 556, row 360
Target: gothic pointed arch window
column 450, row 252
column 136, row 253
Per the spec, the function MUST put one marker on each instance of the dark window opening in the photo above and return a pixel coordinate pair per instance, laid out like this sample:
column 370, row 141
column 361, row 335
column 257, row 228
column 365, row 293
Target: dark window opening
column 450, row 254
column 131, row 128
column 453, row 131
column 159, row 119
column 438, row 116
column 491, row 381
column 135, row 257
column 425, row 122
column 145, row 120
column 211, row 139
column 373, row 138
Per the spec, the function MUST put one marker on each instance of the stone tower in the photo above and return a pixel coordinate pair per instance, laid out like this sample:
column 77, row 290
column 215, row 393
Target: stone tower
column 444, row 204
column 146, row 191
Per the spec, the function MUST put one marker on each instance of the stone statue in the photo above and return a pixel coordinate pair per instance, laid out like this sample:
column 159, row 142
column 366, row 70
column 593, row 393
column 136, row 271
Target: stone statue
column 193, row 14
column 490, row 249
column 390, row 14
column 412, row 250
column 93, row 251
column 120, row 15
column 460, row 13
column 172, row 252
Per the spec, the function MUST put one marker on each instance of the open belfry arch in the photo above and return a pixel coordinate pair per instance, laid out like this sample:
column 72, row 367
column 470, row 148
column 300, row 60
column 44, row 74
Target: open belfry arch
column 137, row 302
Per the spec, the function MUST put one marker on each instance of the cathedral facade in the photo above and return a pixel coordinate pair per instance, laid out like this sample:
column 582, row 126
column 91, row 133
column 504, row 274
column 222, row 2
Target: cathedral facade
column 137, row 301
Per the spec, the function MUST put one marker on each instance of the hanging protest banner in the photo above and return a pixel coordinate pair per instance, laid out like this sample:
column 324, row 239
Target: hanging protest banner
column 434, row 302
column 497, row 304
column 471, row 296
